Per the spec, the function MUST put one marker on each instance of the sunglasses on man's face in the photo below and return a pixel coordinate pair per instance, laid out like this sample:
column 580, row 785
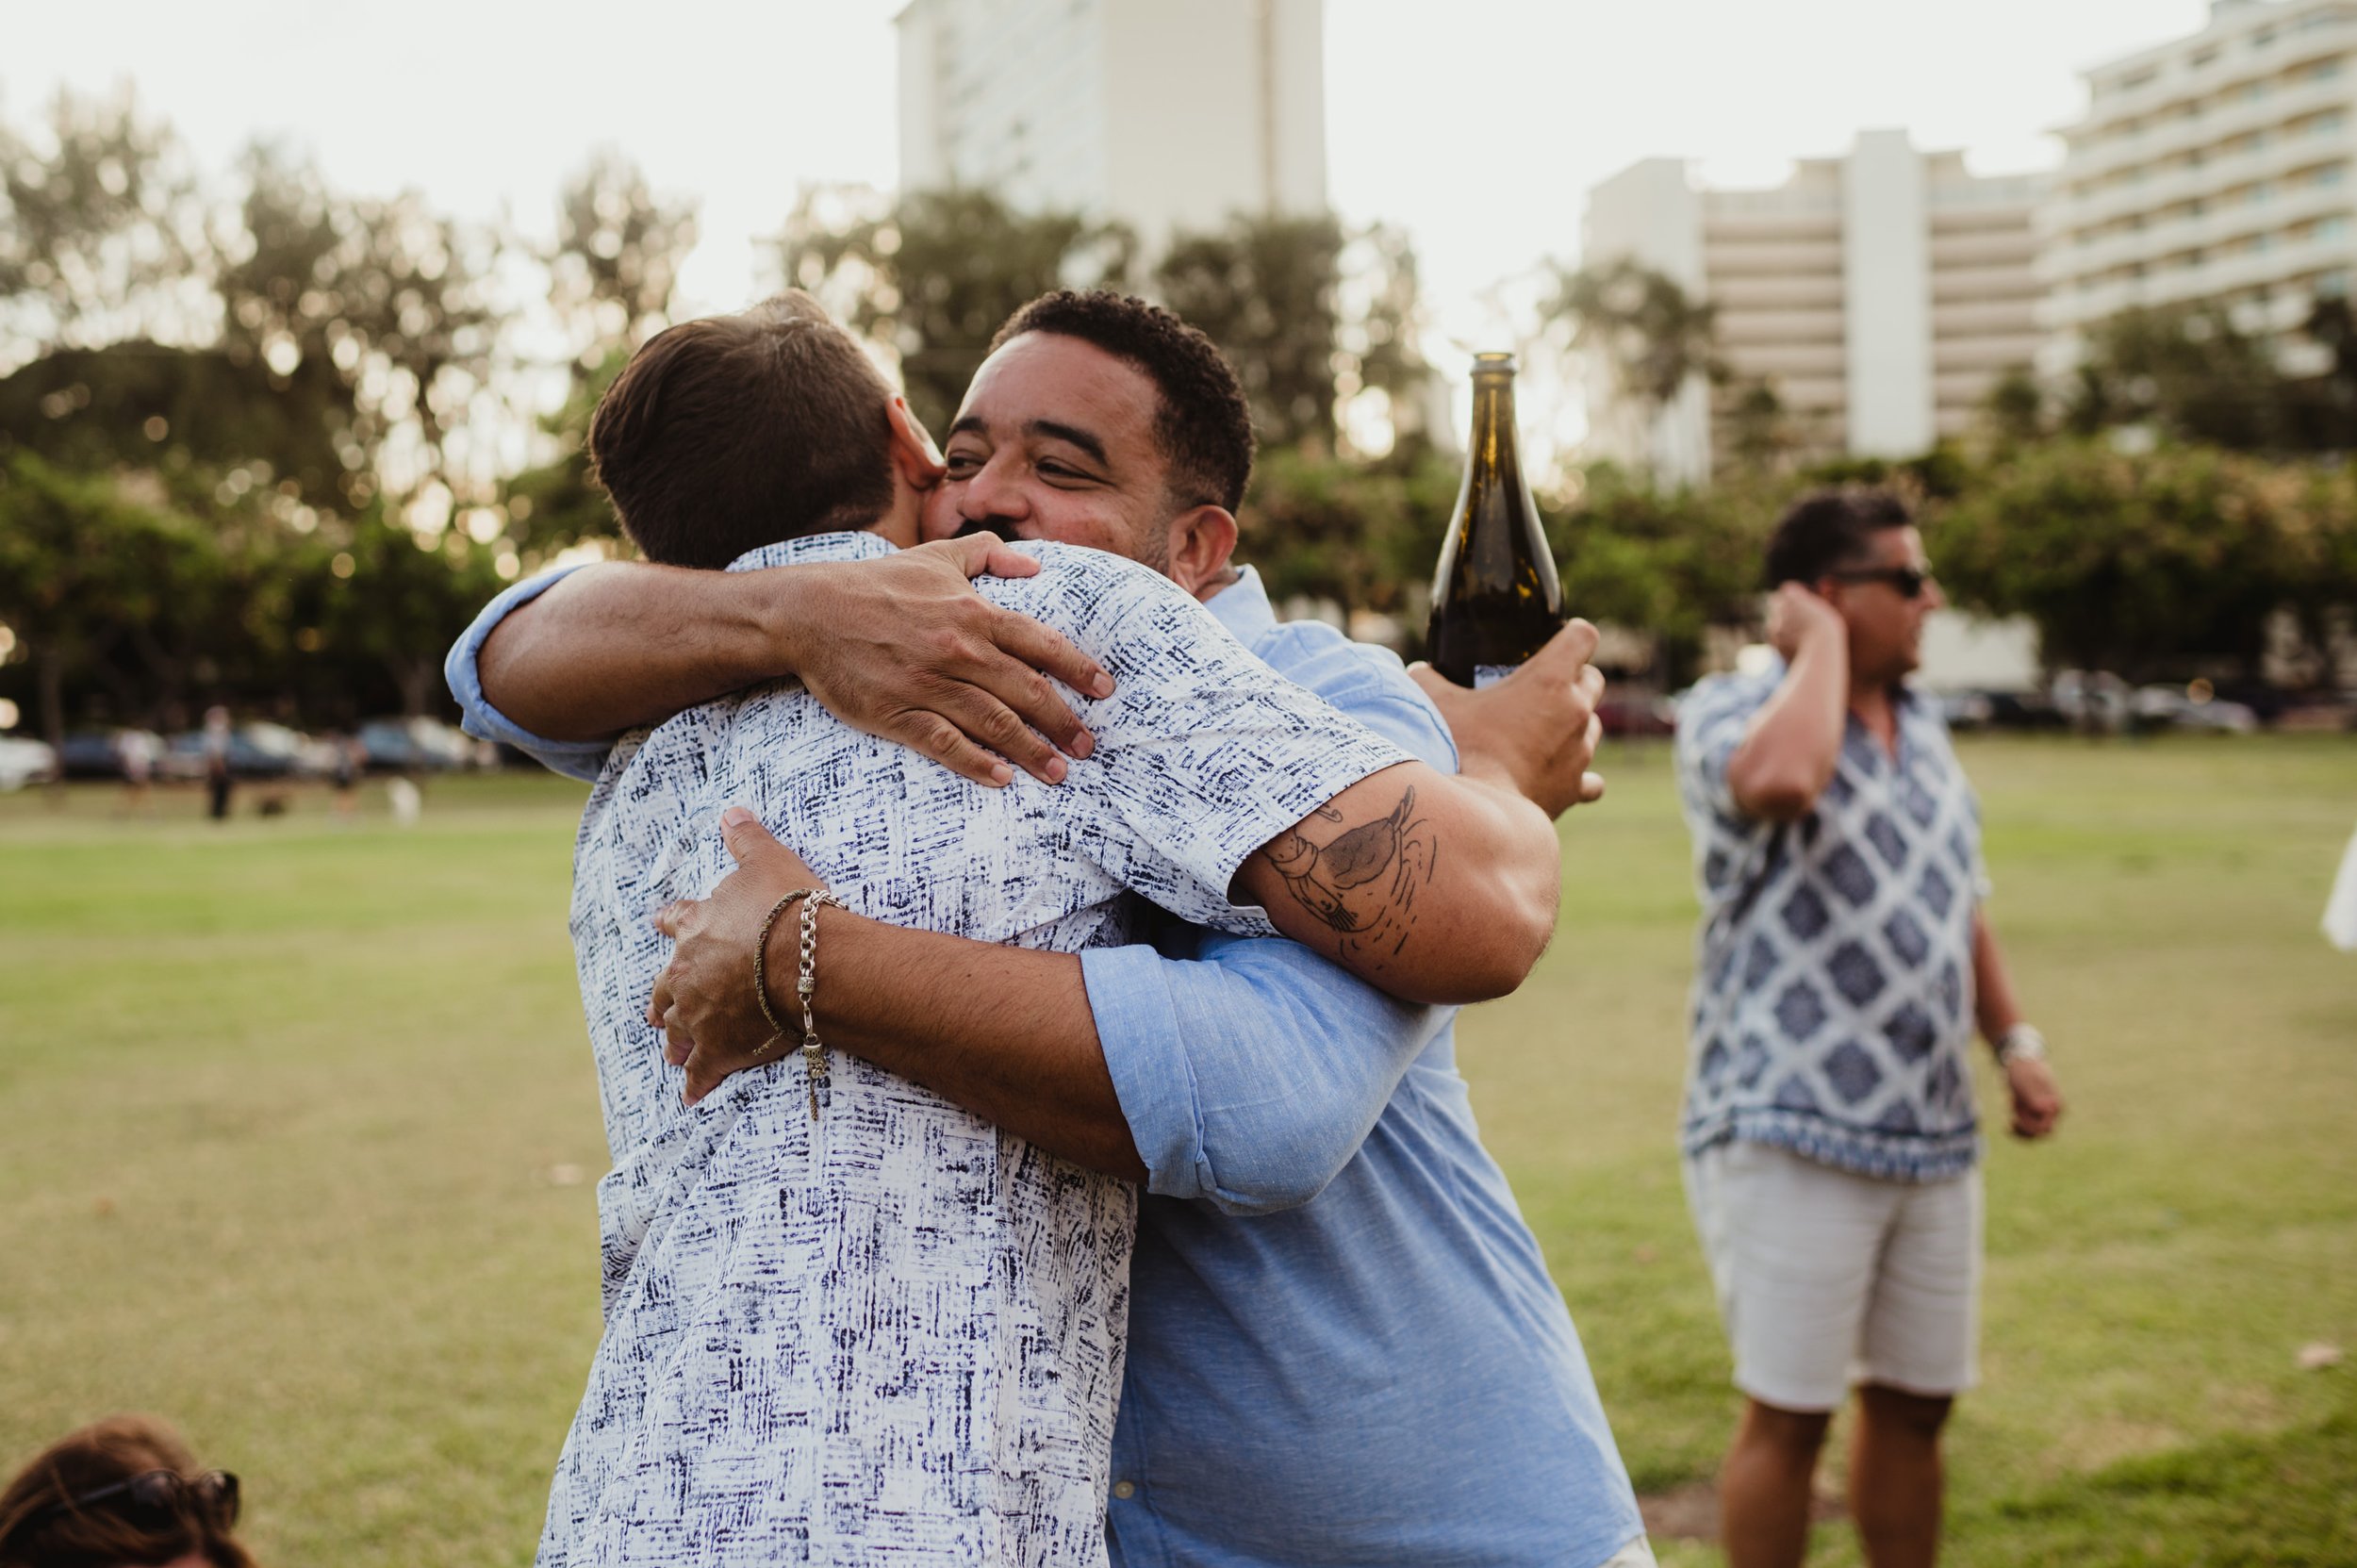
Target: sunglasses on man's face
column 1909, row 580
column 156, row 1498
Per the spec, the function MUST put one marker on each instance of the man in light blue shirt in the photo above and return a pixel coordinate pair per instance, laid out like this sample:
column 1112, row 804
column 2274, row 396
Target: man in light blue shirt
column 1345, row 1346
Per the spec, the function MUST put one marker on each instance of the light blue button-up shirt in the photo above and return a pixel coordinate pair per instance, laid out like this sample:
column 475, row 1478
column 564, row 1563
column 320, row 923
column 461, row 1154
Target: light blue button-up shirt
column 1344, row 1346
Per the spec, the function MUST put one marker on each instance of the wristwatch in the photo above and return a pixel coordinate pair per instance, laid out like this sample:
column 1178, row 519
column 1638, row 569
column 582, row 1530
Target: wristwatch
column 2021, row 1043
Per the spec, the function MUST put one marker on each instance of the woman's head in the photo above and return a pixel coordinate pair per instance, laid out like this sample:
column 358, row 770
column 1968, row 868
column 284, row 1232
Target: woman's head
column 123, row 1494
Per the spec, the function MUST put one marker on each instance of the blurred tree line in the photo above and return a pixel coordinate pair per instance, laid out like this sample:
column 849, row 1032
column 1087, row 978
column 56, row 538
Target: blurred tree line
column 269, row 442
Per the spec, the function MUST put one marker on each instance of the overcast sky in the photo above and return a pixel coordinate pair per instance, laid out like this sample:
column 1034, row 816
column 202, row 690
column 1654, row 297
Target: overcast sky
column 1476, row 124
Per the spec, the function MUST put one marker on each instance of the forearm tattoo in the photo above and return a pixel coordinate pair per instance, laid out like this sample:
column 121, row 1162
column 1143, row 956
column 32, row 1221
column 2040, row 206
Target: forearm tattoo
column 1362, row 883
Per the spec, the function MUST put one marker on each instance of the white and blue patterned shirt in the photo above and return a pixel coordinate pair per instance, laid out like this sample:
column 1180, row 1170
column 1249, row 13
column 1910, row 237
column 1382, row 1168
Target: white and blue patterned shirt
column 1833, row 990
column 895, row 1335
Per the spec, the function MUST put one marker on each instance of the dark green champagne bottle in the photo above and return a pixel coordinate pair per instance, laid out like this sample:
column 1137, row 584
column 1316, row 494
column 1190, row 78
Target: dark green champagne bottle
column 1495, row 598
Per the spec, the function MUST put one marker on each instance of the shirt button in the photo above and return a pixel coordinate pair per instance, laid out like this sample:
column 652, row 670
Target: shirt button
column 1125, row 1490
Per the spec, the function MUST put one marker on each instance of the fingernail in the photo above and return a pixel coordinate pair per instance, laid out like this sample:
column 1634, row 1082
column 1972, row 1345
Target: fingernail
column 735, row 816
column 1102, row 686
column 1001, row 774
column 1084, row 743
column 1055, row 770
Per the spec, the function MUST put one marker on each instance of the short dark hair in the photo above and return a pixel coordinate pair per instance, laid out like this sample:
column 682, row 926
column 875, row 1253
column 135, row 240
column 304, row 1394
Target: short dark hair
column 1826, row 531
column 1205, row 424
column 733, row 432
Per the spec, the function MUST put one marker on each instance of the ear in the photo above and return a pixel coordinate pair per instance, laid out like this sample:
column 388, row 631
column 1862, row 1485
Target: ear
column 1201, row 541
column 912, row 450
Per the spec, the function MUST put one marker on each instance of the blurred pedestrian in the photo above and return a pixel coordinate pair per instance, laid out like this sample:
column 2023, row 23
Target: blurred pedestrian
column 1832, row 1148
column 351, row 758
column 125, row 1492
column 216, row 762
column 135, row 754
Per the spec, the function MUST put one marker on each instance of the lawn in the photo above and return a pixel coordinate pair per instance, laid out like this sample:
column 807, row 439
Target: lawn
column 301, row 1139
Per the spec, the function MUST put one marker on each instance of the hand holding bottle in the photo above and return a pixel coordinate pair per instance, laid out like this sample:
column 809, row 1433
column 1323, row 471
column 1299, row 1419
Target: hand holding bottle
column 1536, row 730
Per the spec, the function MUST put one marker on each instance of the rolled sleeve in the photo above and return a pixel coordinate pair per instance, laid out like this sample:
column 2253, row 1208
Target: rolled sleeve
column 1251, row 1070
column 1249, row 1075
column 478, row 718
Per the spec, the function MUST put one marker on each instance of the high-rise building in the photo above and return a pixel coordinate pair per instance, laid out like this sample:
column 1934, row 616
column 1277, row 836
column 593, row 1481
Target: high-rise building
column 2213, row 168
column 1879, row 295
column 1163, row 113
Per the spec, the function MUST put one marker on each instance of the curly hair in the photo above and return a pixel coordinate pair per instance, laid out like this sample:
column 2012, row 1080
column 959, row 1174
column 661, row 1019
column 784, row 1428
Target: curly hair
column 1205, row 424
column 1826, row 531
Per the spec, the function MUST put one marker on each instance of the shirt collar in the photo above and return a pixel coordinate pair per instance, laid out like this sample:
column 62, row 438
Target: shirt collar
column 1244, row 608
column 814, row 547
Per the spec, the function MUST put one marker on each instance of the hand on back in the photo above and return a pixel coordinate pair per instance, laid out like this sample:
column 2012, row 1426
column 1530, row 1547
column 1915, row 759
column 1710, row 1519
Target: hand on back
column 903, row 648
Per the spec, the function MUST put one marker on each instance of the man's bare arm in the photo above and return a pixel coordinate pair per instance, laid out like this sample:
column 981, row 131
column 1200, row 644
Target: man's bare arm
column 1789, row 755
column 900, row 647
column 1433, row 889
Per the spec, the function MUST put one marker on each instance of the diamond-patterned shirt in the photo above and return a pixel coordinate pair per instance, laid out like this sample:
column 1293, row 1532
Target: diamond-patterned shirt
column 1833, row 985
column 894, row 1335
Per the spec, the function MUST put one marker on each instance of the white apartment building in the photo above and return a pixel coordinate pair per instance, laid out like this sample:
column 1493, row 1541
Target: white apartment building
column 1880, row 294
column 2213, row 168
column 1163, row 113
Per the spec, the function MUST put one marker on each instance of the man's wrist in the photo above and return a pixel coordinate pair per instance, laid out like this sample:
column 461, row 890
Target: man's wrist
column 770, row 622
column 2021, row 1042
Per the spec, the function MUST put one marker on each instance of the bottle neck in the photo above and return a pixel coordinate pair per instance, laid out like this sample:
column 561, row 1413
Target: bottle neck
column 1493, row 454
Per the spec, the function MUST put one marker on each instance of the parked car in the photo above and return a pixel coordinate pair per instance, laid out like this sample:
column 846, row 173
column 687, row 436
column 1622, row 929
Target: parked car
column 97, row 753
column 24, row 762
column 2174, row 708
column 1965, row 710
column 1638, row 716
column 409, row 744
column 255, row 752
column 2023, row 709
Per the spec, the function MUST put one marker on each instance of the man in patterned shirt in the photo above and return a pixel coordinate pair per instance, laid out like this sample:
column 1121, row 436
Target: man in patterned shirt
column 1318, row 1206
column 1844, row 959
column 882, row 1332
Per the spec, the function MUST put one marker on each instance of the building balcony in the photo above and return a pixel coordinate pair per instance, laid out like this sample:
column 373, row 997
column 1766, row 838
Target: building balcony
column 2235, row 62
column 2282, row 152
column 1812, row 291
column 2223, row 124
column 2231, row 224
column 1986, row 353
column 1996, row 247
column 1779, row 361
column 1973, row 318
column 2289, row 262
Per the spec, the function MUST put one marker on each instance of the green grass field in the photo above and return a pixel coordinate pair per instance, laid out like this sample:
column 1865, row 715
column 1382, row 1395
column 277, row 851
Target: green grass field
column 302, row 1136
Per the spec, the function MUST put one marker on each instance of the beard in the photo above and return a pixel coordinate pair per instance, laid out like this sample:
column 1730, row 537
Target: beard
column 999, row 526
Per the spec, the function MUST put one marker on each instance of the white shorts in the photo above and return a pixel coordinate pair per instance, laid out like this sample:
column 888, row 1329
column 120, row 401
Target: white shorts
column 1826, row 1278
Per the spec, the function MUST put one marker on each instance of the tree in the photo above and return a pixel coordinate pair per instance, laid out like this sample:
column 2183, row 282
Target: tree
column 1759, row 428
column 2150, row 564
column 932, row 277
column 1667, row 563
column 1358, row 534
column 1650, row 334
column 1266, row 290
column 616, row 262
column 378, row 310
column 613, row 272
column 104, row 236
column 81, row 565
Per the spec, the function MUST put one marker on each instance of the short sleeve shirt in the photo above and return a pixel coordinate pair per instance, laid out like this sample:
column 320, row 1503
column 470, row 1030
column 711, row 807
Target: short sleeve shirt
column 895, row 1334
column 1833, row 994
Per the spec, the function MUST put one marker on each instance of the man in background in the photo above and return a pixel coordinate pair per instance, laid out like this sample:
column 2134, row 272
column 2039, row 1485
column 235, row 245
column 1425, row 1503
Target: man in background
column 1829, row 1131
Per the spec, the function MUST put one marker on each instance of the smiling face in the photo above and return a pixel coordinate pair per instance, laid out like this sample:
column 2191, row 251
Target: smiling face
column 1056, row 440
column 1885, row 625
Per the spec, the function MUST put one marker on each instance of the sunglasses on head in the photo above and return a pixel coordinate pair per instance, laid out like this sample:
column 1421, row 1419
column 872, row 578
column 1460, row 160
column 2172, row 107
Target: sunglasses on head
column 154, row 1498
column 1908, row 581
